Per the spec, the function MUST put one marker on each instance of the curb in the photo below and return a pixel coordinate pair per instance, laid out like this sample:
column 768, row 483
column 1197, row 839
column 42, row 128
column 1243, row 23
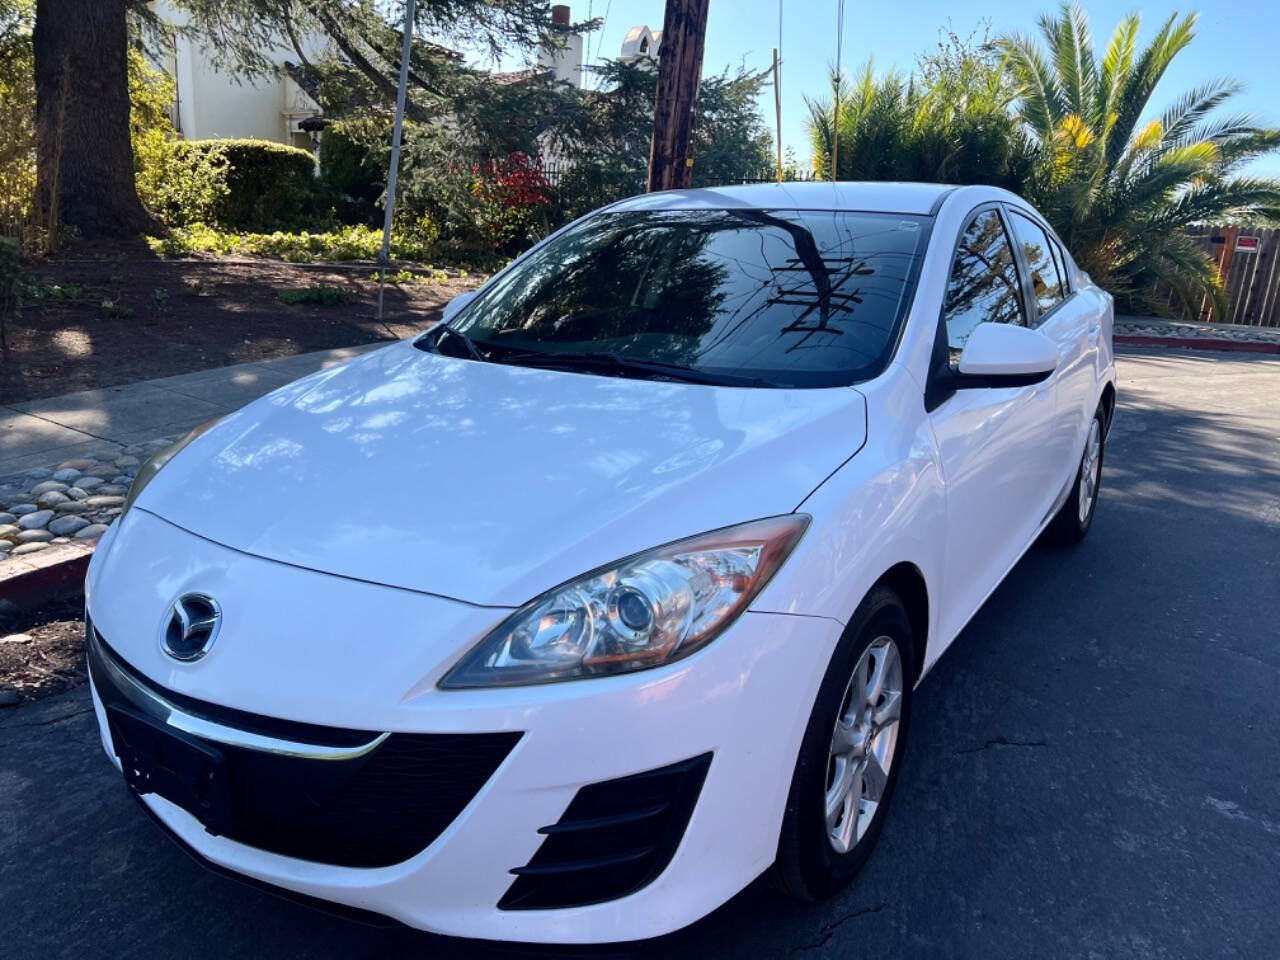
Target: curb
column 27, row 583
column 1196, row 343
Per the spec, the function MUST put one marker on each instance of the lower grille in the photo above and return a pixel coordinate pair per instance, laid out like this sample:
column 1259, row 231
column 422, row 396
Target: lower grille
column 375, row 809
column 614, row 838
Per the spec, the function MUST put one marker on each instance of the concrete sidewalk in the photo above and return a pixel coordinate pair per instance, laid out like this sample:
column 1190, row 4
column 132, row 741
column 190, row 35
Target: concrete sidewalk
column 39, row 433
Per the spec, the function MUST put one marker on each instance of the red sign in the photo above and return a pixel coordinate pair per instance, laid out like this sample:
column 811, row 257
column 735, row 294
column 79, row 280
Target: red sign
column 1247, row 244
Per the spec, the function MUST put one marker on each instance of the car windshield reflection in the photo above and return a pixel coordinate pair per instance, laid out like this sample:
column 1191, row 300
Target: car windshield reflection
column 738, row 297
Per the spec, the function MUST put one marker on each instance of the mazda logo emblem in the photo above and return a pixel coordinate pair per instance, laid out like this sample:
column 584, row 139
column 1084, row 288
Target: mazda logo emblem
column 190, row 627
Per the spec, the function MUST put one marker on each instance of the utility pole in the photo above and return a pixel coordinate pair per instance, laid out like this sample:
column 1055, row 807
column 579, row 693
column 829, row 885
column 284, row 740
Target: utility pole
column 684, row 34
column 384, row 255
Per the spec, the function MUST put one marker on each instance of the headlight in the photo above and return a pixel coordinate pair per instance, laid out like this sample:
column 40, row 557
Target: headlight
column 642, row 612
column 147, row 472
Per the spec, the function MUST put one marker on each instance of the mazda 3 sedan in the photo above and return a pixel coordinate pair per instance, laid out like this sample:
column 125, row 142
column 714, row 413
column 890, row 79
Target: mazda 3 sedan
column 567, row 619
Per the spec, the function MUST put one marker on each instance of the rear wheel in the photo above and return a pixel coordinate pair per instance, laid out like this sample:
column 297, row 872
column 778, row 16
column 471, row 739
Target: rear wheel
column 1076, row 515
column 851, row 754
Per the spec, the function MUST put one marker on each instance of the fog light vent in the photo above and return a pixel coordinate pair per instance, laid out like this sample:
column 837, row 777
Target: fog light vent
column 614, row 838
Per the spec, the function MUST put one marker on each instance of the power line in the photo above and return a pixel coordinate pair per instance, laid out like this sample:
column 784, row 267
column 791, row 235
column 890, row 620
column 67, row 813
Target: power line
column 604, row 22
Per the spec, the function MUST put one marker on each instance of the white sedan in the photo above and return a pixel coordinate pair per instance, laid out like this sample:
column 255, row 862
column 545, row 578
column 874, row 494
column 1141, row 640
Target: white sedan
column 567, row 619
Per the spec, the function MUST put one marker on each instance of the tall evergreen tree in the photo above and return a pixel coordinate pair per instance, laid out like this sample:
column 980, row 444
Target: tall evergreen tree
column 85, row 162
column 83, row 155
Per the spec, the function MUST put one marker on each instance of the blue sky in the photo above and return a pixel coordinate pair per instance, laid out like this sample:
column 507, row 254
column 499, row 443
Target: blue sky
column 1240, row 39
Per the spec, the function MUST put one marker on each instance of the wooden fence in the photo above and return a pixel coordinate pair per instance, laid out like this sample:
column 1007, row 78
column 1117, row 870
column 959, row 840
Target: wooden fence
column 1248, row 262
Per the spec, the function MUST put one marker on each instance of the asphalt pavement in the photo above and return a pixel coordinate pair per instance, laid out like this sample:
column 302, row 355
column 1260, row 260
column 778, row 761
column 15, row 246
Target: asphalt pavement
column 1093, row 768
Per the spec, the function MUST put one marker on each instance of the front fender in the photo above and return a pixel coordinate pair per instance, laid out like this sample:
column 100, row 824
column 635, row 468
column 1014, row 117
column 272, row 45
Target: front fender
column 884, row 506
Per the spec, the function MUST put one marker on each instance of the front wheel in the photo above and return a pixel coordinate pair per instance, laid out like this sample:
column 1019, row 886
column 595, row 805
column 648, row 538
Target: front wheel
column 1076, row 515
column 851, row 754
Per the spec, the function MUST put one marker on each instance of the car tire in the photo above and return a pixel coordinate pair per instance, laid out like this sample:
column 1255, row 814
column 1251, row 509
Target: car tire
column 1075, row 517
column 813, row 863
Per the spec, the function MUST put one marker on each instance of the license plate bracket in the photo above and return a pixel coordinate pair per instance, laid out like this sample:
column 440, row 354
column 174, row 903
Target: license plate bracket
column 169, row 763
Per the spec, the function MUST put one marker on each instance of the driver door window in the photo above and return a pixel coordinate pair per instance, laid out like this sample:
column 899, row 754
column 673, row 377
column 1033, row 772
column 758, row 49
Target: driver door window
column 983, row 287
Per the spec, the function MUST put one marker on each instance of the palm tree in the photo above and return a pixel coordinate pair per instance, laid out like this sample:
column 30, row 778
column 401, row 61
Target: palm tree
column 1120, row 185
column 947, row 122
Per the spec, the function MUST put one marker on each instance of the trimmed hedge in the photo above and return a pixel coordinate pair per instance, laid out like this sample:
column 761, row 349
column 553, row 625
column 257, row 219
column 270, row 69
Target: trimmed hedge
column 269, row 185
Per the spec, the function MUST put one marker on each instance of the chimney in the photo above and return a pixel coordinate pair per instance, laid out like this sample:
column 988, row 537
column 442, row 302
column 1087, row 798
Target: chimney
column 564, row 60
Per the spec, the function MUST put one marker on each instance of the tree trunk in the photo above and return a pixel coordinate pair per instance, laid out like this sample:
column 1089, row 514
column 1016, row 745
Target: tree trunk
column 684, row 34
column 84, row 156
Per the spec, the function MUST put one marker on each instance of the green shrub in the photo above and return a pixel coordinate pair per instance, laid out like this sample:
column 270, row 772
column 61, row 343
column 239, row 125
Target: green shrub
column 323, row 294
column 351, row 169
column 352, row 177
column 266, row 184
column 345, row 243
column 179, row 186
column 176, row 185
column 17, row 122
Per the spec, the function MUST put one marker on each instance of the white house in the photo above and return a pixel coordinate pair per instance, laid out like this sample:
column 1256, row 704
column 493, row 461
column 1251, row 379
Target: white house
column 640, row 43
column 212, row 103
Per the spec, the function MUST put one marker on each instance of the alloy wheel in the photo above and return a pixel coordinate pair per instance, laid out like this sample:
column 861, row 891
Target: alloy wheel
column 862, row 744
column 1089, row 469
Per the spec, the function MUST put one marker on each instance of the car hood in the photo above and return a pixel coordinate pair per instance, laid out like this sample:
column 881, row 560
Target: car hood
column 491, row 483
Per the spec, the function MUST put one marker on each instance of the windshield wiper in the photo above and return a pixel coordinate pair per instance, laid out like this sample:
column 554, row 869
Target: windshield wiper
column 614, row 362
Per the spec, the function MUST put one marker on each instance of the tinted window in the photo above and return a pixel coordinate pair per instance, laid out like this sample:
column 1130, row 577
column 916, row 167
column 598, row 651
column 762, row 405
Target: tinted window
column 983, row 287
column 1046, row 284
column 1060, row 258
column 794, row 298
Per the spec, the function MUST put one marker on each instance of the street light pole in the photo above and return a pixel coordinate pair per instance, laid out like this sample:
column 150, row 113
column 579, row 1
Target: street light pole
column 384, row 256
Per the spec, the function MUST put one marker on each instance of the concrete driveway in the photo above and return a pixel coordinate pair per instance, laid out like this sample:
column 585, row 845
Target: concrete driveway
column 1094, row 768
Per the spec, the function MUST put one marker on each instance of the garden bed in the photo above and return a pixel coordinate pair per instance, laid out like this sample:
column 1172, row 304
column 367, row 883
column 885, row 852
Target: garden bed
column 42, row 651
column 99, row 321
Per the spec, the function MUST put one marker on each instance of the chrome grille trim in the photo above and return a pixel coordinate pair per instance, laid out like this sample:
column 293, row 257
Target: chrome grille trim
column 160, row 708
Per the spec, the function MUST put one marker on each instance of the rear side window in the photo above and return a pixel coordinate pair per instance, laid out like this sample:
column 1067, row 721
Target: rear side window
column 1046, row 282
column 983, row 287
column 1060, row 258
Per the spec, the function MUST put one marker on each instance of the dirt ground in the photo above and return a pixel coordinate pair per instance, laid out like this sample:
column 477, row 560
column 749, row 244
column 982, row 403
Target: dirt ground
column 90, row 322
column 42, row 651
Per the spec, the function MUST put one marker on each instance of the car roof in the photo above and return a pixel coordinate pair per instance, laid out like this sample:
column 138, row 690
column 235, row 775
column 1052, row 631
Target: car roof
column 910, row 198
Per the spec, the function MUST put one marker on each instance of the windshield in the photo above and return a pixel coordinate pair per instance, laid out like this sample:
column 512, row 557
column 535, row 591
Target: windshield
column 771, row 298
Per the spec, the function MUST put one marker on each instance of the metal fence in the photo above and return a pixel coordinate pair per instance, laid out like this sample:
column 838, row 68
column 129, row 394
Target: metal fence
column 1248, row 262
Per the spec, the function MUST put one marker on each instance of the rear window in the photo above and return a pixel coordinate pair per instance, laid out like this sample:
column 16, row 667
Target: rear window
column 791, row 298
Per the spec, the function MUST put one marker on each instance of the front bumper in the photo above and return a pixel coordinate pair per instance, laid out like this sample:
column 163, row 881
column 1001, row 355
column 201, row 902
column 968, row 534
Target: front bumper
column 743, row 702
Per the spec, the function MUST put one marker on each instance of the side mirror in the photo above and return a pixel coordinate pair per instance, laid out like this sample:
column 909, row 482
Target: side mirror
column 1003, row 355
column 457, row 303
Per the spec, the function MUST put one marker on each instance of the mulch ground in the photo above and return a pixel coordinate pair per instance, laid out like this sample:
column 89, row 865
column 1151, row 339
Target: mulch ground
column 42, row 652
column 103, row 320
